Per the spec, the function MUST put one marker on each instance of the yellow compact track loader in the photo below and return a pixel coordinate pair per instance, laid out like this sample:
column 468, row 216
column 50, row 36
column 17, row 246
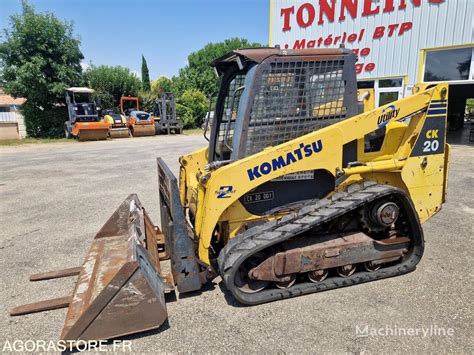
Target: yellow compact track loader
column 297, row 192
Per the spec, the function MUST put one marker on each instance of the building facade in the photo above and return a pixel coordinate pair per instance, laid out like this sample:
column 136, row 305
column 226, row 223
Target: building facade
column 399, row 43
column 12, row 124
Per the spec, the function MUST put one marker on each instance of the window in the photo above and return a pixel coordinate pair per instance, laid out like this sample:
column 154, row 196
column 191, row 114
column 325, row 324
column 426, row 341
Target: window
column 82, row 98
column 388, row 90
column 387, row 97
column 143, row 116
column 448, row 65
column 390, row 83
column 366, row 84
column 229, row 114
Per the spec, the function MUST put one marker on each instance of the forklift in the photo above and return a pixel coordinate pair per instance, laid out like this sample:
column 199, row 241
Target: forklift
column 165, row 115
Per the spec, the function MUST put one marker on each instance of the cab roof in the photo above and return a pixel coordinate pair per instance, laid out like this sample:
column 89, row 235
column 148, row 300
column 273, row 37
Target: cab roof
column 258, row 55
column 80, row 90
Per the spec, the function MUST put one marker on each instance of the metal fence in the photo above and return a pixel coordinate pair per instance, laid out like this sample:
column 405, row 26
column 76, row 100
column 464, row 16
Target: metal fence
column 295, row 98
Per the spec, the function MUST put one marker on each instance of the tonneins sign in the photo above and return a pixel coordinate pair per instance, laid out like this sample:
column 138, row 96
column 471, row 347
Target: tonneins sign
column 326, row 10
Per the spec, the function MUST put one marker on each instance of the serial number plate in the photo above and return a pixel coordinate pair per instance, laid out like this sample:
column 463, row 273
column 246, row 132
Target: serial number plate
column 302, row 175
column 258, row 197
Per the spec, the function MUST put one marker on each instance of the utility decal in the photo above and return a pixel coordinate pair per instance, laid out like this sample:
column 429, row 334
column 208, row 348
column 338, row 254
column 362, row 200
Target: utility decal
column 304, row 151
column 225, row 191
column 387, row 114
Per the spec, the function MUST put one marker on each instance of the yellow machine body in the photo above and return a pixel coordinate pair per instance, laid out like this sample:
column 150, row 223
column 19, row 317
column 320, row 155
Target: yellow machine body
column 367, row 98
column 423, row 177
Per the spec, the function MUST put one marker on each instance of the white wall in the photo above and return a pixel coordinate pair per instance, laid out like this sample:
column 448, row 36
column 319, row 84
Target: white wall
column 8, row 117
column 17, row 118
column 448, row 23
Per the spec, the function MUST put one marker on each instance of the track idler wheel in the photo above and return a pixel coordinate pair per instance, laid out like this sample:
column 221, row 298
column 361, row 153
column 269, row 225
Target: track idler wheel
column 379, row 216
column 243, row 280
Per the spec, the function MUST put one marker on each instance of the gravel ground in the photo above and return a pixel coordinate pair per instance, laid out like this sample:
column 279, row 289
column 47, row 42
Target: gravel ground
column 54, row 197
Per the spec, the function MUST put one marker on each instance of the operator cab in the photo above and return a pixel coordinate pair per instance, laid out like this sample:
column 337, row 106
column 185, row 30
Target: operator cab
column 81, row 105
column 128, row 104
column 269, row 96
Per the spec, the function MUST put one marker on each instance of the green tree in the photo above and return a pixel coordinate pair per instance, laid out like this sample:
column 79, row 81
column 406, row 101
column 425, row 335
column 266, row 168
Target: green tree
column 112, row 82
column 191, row 107
column 145, row 75
column 147, row 100
column 40, row 58
column 161, row 85
column 470, row 104
column 198, row 74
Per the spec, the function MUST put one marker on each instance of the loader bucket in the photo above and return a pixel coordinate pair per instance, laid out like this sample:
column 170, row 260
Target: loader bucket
column 119, row 133
column 120, row 287
column 119, row 290
column 143, row 130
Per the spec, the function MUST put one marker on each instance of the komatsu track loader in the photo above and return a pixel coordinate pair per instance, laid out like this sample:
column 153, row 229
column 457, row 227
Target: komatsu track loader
column 297, row 192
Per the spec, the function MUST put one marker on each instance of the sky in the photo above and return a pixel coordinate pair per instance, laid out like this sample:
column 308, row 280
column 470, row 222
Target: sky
column 118, row 32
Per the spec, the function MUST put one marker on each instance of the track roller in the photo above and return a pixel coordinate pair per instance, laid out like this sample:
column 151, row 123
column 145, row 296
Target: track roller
column 317, row 275
column 346, row 270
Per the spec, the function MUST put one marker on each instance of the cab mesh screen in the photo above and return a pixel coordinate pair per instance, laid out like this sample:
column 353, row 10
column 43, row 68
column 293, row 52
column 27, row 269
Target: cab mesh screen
column 295, row 98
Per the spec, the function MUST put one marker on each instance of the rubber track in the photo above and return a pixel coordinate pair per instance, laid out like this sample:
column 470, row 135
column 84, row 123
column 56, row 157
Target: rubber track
column 313, row 214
